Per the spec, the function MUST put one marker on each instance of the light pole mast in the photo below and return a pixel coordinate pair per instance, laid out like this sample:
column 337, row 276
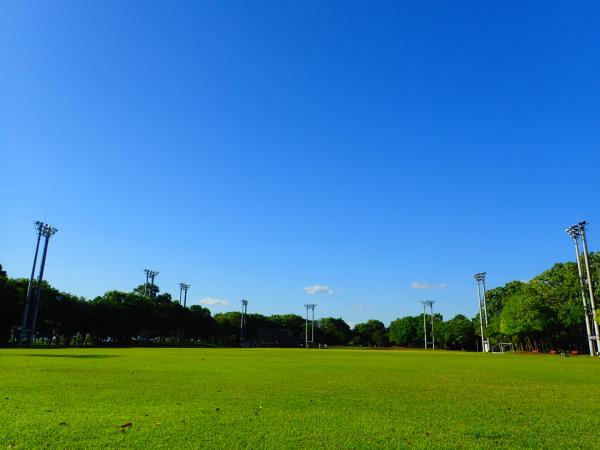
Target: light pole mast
column 425, row 323
column 147, row 272
column 183, row 287
column 310, row 306
column 428, row 303
column 575, row 232
column 39, row 226
column 150, row 275
column 243, row 323
column 480, row 278
column 431, row 302
column 47, row 231
column 590, row 282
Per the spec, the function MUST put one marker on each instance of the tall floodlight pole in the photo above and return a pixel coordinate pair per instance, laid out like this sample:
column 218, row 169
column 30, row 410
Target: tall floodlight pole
column 23, row 334
column 150, row 275
column 147, row 272
column 185, row 289
column 431, row 302
column 428, row 303
column 153, row 274
column 574, row 231
column 590, row 283
column 243, row 323
column 484, row 297
column 312, row 324
column 310, row 306
column 47, row 231
column 425, row 323
column 306, row 327
column 480, row 278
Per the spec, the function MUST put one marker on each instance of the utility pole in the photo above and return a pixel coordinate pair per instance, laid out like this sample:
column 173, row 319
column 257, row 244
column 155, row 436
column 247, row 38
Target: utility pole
column 310, row 306
column 183, row 287
column 243, row 323
column 428, row 303
column 575, row 232
column 432, row 330
column 149, row 287
column 424, row 323
column 47, row 231
column 590, row 283
column 23, row 335
column 480, row 279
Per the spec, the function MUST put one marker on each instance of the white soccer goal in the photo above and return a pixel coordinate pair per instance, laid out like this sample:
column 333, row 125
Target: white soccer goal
column 502, row 347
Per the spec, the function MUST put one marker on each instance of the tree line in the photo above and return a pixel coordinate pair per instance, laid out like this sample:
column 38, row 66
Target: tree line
column 541, row 314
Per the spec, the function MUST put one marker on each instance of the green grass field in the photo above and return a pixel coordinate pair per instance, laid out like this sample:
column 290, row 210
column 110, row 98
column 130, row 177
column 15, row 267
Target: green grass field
column 282, row 398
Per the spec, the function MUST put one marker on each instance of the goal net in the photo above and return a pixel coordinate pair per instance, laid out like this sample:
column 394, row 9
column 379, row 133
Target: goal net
column 502, row 347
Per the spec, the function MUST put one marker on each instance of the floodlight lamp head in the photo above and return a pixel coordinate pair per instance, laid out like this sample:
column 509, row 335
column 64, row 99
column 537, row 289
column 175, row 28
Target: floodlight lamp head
column 479, row 276
column 574, row 231
column 244, row 302
column 48, row 230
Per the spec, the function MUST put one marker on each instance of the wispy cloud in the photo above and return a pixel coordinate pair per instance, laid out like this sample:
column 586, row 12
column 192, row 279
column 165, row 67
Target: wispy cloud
column 211, row 301
column 422, row 285
column 360, row 307
column 318, row 289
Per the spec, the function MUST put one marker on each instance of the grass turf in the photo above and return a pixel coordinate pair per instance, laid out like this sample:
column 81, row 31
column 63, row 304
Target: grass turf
column 294, row 398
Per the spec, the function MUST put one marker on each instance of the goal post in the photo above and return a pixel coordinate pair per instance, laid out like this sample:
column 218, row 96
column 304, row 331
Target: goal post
column 502, row 347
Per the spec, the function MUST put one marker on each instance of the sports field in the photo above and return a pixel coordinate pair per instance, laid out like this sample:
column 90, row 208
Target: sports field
column 282, row 398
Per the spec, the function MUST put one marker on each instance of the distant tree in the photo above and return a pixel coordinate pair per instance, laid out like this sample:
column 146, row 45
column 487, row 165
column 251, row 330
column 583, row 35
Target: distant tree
column 11, row 305
column 228, row 327
column 459, row 333
column 371, row 333
column 526, row 317
column 407, row 331
column 333, row 331
column 150, row 290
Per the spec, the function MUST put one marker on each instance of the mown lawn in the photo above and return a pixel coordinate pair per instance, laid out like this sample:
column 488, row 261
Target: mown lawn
column 295, row 398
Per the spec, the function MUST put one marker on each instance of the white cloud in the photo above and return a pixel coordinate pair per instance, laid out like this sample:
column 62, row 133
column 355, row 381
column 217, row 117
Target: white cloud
column 318, row 289
column 421, row 285
column 360, row 307
column 211, row 301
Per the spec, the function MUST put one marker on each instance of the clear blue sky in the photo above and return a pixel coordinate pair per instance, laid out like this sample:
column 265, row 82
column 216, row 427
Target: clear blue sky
column 254, row 149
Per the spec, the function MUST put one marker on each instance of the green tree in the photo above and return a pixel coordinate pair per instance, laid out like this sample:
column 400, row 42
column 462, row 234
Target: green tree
column 332, row 331
column 407, row 331
column 371, row 333
column 459, row 333
column 526, row 317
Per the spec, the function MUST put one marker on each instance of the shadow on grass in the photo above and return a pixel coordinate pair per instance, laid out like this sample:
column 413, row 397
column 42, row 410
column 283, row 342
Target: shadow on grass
column 49, row 355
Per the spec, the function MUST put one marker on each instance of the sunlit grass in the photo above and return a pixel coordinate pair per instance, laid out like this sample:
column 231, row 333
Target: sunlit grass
column 282, row 398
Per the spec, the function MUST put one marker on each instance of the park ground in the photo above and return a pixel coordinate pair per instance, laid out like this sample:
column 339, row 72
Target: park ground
column 295, row 398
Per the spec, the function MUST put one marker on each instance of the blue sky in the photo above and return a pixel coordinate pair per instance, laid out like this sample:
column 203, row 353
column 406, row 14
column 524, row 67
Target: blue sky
column 254, row 149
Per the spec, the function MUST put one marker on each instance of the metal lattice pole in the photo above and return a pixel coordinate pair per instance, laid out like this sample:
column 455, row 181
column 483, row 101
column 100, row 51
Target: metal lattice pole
column 24, row 324
column 432, row 333
column 147, row 272
column 183, row 288
column 47, row 232
column 479, row 277
column 428, row 303
column 574, row 232
column 425, row 324
column 312, row 307
column 243, row 323
column 590, row 282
